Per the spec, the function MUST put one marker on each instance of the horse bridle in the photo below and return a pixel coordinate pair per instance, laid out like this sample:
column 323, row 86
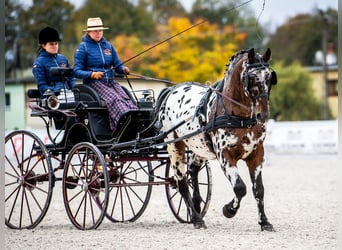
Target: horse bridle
column 246, row 77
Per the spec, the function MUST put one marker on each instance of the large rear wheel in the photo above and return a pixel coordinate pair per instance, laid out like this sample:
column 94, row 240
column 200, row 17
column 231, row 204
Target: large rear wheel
column 130, row 189
column 176, row 201
column 29, row 180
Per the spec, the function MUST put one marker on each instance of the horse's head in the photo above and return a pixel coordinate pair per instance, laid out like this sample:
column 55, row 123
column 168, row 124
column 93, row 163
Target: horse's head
column 257, row 79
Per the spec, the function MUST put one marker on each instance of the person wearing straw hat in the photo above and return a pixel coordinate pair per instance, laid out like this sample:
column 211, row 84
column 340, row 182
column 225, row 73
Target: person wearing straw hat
column 48, row 57
column 96, row 62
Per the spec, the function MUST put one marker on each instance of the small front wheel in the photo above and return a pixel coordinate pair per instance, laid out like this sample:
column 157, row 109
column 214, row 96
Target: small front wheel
column 85, row 186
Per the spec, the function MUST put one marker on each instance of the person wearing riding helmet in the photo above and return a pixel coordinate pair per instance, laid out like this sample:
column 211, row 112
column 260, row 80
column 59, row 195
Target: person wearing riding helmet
column 48, row 57
column 95, row 61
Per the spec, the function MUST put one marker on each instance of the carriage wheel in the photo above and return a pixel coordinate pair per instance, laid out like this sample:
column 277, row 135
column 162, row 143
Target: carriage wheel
column 29, row 180
column 85, row 186
column 130, row 190
column 175, row 200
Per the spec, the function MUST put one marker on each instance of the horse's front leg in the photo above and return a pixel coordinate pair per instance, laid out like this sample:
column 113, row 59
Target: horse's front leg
column 258, row 192
column 177, row 157
column 229, row 210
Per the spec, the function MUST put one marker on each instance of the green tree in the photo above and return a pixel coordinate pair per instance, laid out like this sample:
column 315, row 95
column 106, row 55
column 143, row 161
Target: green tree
column 293, row 99
column 121, row 16
column 12, row 43
column 162, row 10
column 231, row 13
column 301, row 37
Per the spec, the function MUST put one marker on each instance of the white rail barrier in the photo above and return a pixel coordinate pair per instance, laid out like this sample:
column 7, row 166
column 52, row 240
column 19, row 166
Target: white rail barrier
column 306, row 137
column 302, row 137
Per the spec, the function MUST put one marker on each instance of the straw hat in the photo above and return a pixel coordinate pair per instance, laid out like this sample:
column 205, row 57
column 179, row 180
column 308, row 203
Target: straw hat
column 95, row 23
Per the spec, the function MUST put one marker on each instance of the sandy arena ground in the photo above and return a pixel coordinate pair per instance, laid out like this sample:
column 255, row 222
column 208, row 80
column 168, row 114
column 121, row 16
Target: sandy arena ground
column 301, row 201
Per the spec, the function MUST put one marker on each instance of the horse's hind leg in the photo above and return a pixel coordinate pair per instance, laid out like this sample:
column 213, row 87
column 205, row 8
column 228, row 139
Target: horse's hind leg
column 177, row 157
column 258, row 192
column 195, row 165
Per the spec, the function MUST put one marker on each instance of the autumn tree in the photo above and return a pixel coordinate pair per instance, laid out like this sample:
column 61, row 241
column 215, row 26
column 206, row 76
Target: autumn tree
column 200, row 54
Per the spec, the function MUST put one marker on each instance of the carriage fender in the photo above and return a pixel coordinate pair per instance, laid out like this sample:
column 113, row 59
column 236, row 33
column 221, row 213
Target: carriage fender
column 78, row 132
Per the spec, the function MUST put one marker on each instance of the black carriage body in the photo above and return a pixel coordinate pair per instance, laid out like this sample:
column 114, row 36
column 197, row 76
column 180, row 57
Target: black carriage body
column 87, row 120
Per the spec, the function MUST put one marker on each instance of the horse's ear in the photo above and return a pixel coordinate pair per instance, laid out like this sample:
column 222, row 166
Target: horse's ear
column 267, row 55
column 251, row 56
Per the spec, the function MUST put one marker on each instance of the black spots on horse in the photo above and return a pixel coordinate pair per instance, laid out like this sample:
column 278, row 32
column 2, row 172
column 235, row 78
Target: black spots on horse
column 179, row 173
column 188, row 101
column 223, row 136
column 180, row 101
column 187, row 88
column 175, row 92
column 189, row 126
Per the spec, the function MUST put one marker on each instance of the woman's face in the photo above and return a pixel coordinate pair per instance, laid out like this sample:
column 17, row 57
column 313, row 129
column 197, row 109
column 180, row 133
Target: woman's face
column 96, row 35
column 51, row 47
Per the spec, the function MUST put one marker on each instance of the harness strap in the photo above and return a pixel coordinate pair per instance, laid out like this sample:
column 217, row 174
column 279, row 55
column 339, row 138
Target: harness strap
column 230, row 121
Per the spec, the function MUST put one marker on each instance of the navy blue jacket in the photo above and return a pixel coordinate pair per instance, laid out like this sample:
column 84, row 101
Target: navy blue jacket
column 41, row 72
column 91, row 56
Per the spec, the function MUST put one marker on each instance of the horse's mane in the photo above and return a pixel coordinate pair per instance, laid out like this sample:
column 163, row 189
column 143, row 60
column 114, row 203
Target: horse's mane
column 233, row 60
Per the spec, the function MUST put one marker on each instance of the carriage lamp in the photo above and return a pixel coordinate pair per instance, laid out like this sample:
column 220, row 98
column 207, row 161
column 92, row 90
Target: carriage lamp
column 50, row 100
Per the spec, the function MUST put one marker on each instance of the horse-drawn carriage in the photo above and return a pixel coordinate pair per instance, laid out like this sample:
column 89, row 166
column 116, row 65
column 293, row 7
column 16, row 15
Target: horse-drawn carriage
column 106, row 174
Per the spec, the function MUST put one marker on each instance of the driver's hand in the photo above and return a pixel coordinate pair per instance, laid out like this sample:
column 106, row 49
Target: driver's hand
column 96, row 75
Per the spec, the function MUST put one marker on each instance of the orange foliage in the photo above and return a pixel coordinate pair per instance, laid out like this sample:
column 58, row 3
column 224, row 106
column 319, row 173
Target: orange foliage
column 199, row 54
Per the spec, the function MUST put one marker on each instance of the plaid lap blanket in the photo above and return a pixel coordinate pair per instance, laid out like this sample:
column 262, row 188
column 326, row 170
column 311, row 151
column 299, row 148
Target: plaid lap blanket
column 116, row 99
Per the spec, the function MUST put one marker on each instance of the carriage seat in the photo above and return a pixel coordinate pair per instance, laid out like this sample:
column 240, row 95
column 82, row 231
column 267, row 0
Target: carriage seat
column 88, row 95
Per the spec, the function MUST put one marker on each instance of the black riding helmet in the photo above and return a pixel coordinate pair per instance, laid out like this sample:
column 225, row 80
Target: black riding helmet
column 48, row 34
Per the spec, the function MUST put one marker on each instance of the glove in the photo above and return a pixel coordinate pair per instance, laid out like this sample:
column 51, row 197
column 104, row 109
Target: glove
column 96, row 75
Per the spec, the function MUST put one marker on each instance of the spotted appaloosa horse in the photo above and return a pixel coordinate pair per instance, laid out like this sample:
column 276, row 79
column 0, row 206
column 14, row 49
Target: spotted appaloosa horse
column 224, row 121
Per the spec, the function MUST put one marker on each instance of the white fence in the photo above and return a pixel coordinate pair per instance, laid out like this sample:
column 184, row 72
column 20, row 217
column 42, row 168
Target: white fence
column 308, row 137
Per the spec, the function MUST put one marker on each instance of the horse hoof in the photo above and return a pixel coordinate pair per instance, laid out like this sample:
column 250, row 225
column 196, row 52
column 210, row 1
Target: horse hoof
column 228, row 211
column 267, row 227
column 200, row 224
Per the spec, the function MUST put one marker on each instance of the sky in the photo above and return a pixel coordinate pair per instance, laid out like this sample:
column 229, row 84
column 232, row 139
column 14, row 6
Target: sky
column 275, row 13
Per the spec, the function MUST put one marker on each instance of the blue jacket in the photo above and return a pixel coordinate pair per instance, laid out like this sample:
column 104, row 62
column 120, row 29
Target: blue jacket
column 41, row 72
column 91, row 56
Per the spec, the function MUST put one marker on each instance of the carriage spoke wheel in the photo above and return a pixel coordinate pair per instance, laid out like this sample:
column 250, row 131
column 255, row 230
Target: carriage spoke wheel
column 28, row 180
column 85, row 186
column 130, row 190
column 176, row 201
